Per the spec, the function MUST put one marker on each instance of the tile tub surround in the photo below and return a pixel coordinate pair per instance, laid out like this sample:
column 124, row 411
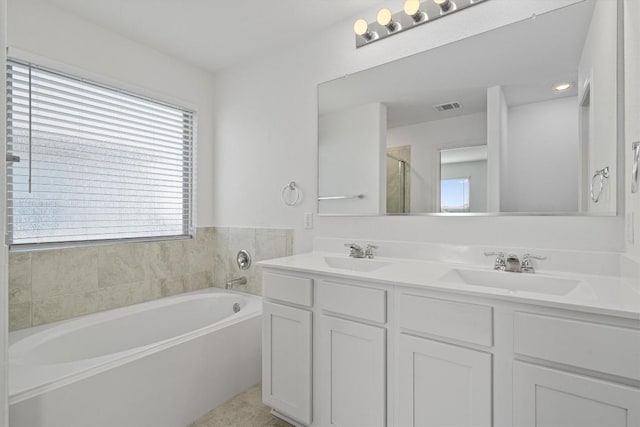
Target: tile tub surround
column 47, row 286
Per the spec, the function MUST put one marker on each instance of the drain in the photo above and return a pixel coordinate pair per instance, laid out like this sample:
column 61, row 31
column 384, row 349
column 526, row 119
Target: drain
column 236, row 307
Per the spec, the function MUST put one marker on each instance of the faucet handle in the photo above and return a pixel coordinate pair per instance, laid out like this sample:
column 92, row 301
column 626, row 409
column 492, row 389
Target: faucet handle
column 527, row 264
column 501, row 262
column 529, row 256
column 368, row 253
column 494, row 254
column 353, row 245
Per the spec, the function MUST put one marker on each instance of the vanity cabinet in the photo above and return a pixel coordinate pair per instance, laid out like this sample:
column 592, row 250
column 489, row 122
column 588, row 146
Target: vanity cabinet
column 351, row 348
column 402, row 356
column 442, row 384
column 351, row 373
column 551, row 397
column 287, row 346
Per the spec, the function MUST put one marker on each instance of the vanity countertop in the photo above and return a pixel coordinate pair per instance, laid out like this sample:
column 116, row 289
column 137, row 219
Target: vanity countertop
column 607, row 295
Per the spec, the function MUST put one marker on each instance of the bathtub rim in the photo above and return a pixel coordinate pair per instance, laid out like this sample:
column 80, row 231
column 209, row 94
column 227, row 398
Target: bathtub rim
column 70, row 372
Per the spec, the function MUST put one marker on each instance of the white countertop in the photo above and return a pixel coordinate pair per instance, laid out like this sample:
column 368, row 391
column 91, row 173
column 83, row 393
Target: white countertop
column 607, row 295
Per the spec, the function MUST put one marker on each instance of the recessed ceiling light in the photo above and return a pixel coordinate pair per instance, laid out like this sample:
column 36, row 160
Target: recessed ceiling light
column 562, row 87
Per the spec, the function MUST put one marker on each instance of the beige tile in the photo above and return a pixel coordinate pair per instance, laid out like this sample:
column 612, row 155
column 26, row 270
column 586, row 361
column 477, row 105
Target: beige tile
column 230, row 414
column 168, row 286
column 244, row 410
column 167, row 259
column 63, row 307
column 270, row 243
column 252, row 396
column 290, row 243
column 220, row 256
column 121, row 264
column 64, row 271
column 19, row 316
column 19, row 278
column 200, row 280
column 201, row 250
column 241, row 238
column 123, row 295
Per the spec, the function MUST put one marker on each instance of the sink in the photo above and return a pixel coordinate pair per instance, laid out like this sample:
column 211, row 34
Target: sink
column 354, row 264
column 515, row 282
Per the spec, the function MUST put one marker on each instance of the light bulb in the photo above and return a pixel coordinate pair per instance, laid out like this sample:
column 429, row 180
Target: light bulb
column 384, row 17
column 361, row 28
column 412, row 8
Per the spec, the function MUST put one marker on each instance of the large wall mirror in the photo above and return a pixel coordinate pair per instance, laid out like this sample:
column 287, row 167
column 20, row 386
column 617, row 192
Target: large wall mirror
column 521, row 119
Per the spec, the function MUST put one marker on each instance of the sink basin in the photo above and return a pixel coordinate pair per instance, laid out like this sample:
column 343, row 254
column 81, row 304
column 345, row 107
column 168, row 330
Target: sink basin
column 354, row 264
column 515, row 282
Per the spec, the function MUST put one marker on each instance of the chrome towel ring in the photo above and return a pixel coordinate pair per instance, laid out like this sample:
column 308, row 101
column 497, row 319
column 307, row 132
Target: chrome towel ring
column 291, row 194
column 599, row 179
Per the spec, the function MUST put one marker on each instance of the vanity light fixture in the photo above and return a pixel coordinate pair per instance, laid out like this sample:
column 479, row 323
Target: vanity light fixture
column 561, row 87
column 412, row 9
column 385, row 18
column 414, row 13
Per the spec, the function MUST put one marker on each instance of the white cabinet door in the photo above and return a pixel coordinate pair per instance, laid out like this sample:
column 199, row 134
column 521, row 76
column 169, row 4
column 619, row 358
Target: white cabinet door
column 442, row 385
column 352, row 371
column 286, row 360
column 545, row 397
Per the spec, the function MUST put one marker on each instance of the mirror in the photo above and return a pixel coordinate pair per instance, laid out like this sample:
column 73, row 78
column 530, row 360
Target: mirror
column 521, row 119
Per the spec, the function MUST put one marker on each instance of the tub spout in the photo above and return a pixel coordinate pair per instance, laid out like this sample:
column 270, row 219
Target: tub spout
column 239, row 281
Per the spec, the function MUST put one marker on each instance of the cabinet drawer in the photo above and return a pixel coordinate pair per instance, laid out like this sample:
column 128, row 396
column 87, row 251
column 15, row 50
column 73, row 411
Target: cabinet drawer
column 471, row 323
column 609, row 349
column 293, row 289
column 355, row 301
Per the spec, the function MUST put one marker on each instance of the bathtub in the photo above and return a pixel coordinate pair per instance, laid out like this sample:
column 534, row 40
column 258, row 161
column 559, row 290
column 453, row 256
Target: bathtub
column 159, row 363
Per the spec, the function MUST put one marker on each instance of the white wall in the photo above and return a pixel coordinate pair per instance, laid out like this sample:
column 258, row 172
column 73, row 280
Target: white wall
column 632, row 114
column 497, row 136
column 542, row 158
column 53, row 37
column 426, row 139
column 597, row 65
column 266, row 123
column 352, row 151
column 4, row 292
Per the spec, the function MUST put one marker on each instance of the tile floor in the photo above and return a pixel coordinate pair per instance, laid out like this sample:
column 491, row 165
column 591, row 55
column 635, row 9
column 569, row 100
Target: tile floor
column 243, row 410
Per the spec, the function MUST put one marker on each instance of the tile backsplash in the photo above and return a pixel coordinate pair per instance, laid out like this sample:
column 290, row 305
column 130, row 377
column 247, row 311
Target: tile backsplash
column 47, row 286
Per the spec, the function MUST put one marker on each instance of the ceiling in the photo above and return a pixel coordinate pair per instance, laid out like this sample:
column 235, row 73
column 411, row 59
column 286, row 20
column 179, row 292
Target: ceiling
column 213, row 34
column 526, row 58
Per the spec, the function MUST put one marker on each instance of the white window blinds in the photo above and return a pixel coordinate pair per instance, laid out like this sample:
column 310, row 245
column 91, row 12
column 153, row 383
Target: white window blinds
column 95, row 163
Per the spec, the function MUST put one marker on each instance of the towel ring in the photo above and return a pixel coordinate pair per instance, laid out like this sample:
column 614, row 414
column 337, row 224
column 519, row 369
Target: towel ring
column 600, row 177
column 290, row 189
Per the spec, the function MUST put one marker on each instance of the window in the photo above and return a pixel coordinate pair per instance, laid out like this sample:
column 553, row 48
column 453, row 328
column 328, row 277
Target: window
column 454, row 195
column 95, row 163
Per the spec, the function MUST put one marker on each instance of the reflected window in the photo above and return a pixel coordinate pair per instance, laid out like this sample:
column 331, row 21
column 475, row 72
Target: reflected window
column 454, row 195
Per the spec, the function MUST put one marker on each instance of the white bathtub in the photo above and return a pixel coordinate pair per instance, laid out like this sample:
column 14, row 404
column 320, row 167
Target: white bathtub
column 160, row 363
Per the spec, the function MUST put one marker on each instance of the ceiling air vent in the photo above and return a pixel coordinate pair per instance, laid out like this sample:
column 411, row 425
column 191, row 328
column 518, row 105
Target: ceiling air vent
column 450, row 106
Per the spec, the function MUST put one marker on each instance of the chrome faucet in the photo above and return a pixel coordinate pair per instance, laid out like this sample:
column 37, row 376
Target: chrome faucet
column 512, row 264
column 355, row 251
column 239, row 281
